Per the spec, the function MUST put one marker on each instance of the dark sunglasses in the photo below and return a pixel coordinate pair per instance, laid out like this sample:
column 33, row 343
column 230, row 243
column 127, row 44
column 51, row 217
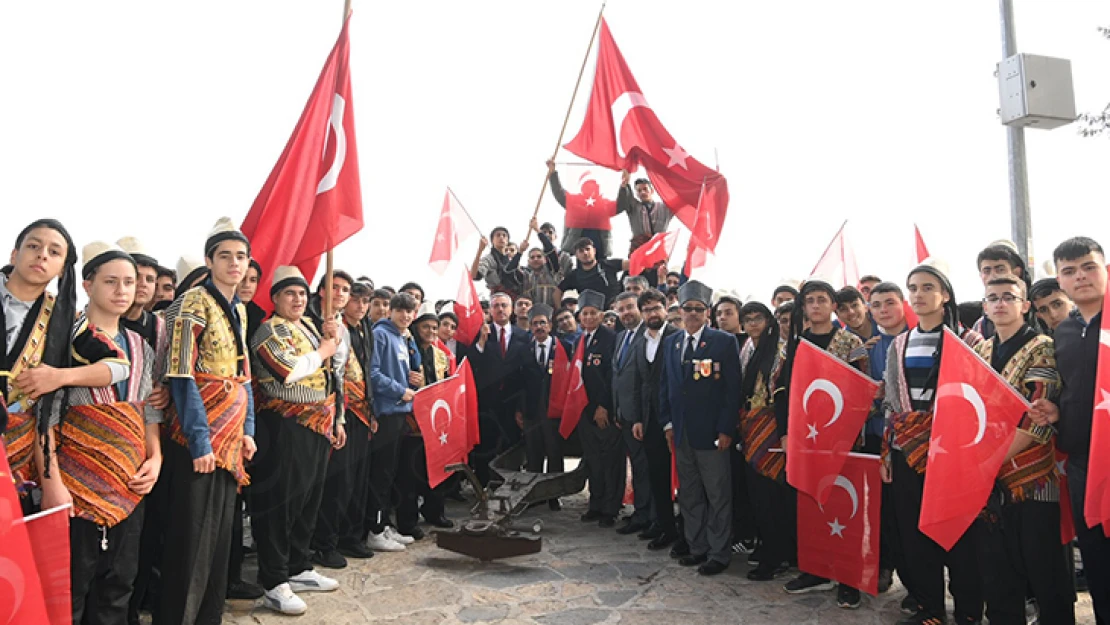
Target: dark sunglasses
column 693, row 309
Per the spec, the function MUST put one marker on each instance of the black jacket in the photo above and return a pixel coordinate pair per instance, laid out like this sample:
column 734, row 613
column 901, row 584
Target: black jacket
column 597, row 371
column 500, row 379
column 537, row 380
column 1077, row 362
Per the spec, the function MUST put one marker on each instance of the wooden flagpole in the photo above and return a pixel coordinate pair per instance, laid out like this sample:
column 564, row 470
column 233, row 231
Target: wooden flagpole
column 566, row 119
column 329, row 262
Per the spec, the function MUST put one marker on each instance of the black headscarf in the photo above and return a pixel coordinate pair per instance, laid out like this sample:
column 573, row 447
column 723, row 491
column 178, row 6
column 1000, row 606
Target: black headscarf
column 763, row 358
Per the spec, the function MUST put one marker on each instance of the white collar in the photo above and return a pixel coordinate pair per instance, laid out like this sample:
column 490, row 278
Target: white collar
column 696, row 335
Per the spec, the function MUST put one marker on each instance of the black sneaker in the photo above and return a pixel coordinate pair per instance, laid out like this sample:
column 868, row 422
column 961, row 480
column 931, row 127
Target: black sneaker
column 847, row 597
column 922, row 618
column 238, row 589
column 329, row 559
column 807, row 583
column 886, row 578
column 745, row 547
column 910, row 605
column 358, row 551
column 766, row 574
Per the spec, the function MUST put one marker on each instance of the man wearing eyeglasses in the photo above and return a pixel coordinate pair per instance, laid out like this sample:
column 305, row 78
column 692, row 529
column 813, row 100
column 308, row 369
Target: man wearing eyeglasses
column 541, row 432
column 699, row 413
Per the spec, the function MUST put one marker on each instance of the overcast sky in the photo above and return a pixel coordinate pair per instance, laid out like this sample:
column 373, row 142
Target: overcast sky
column 153, row 119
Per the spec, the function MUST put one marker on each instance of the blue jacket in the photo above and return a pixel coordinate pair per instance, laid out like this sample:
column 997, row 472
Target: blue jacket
column 390, row 363
column 876, row 358
column 703, row 408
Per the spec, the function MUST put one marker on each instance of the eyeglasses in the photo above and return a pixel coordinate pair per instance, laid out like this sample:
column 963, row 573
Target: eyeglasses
column 693, row 309
column 750, row 320
column 651, row 309
column 1009, row 298
column 539, row 322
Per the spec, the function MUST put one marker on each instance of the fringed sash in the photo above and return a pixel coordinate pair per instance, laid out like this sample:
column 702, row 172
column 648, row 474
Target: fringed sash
column 225, row 403
column 102, row 447
column 759, row 431
column 356, row 400
column 318, row 417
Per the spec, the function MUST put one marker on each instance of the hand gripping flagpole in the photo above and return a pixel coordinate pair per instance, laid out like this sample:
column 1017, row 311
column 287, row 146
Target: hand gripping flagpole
column 329, row 258
column 566, row 119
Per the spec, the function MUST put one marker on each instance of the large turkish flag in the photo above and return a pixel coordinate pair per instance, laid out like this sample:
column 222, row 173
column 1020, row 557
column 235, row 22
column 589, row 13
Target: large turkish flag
column 439, row 409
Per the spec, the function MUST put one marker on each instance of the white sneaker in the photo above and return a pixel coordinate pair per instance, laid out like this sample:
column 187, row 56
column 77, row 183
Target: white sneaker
column 281, row 599
column 311, row 581
column 382, row 542
column 392, row 534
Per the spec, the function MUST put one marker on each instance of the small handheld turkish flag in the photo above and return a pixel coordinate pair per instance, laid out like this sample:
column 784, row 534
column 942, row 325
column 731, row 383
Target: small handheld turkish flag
column 974, row 422
column 453, row 229
column 838, row 263
column 657, row 249
column 576, row 399
column 829, row 403
column 470, row 408
column 469, row 311
column 840, row 538
column 21, row 592
column 1096, row 508
column 437, row 410
column 49, row 535
column 560, row 373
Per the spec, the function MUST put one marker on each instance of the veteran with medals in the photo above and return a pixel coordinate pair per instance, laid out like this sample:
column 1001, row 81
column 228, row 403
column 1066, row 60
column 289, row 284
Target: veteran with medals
column 541, row 428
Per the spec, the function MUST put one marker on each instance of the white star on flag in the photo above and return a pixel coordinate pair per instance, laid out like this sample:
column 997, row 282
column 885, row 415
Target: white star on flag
column 835, row 528
column 1105, row 403
column 812, row 431
column 590, row 201
column 935, row 448
column 677, row 155
column 443, row 438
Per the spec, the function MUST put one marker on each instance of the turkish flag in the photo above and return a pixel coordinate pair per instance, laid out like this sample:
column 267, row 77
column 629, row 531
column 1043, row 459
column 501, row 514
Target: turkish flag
column 469, row 311
column 1097, row 505
column 589, row 209
column 921, row 252
column 697, row 256
column 974, row 422
column 840, row 539
column 48, row 532
column 1067, row 521
column 439, row 409
column 621, row 131
column 829, row 403
column 21, row 592
column 657, row 249
column 470, row 392
column 838, row 263
column 575, row 391
column 312, row 200
column 454, row 228
column 560, row 373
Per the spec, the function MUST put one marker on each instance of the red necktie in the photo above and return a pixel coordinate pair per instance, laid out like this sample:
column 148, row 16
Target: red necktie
column 504, row 342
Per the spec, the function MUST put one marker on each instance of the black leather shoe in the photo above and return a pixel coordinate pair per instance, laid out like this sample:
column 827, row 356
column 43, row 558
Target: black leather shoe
column 662, row 542
column 680, row 549
column 591, row 515
column 415, row 532
column 766, row 573
column 238, row 589
column 555, row 505
column 651, row 533
column 632, row 527
column 442, row 522
column 607, row 521
column 713, row 567
column 329, row 559
column 692, row 560
column 358, row 551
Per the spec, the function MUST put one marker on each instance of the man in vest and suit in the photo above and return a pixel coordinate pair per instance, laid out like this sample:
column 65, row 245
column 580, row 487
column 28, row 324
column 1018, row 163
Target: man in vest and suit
column 699, row 415
column 627, row 405
column 601, row 438
column 541, row 433
column 498, row 359
column 646, row 428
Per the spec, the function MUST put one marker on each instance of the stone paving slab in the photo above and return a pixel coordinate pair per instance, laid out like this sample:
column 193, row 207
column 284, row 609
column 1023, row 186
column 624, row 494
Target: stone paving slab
column 585, row 575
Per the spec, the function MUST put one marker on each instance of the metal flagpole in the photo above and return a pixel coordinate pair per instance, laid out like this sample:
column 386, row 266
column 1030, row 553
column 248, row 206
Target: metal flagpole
column 1021, row 229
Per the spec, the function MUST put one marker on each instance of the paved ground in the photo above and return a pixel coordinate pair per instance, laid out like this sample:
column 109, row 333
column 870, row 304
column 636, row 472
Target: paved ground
column 584, row 575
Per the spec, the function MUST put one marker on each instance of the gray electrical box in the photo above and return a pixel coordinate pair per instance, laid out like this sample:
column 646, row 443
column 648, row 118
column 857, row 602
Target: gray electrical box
column 1035, row 91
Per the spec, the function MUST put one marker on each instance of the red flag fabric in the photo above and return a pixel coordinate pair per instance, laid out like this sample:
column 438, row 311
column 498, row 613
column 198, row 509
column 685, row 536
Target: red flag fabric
column 974, row 422
column 1067, row 521
column 452, row 365
column 470, row 393
column 576, row 400
column 657, row 249
column 454, row 228
column 560, row 373
column 696, row 256
column 21, row 592
column 48, row 532
column 920, row 250
column 1096, row 508
column 621, row 131
column 469, row 311
column 840, row 539
column 312, row 200
column 436, row 408
column 829, row 403
column 589, row 209
column 838, row 263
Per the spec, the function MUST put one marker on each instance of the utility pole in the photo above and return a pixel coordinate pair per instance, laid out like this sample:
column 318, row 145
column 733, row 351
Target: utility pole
column 1021, row 230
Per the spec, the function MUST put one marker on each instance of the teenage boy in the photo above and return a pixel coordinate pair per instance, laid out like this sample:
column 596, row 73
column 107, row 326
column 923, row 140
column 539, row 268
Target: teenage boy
column 1050, row 302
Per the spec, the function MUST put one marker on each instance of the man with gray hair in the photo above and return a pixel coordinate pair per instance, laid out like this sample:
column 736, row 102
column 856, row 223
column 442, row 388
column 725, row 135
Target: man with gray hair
column 636, row 285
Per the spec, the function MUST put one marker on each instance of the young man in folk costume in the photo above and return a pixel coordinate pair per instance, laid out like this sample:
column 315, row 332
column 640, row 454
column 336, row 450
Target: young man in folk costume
column 541, row 432
column 339, row 524
column 775, row 503
column 1017, row 530
column 1000, row 259
column 36, row 341
column 913, row 363
column 211, row 426
column 699, row 412
column 164, row 286
column 294, row 364
column 108, row 447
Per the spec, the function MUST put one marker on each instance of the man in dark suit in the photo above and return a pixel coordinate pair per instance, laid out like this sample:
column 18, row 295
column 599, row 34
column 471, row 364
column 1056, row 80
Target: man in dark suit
column 541, row 433
column 646, row 427
column 498, row 359
column 601, row 438
column 627, row 406
column 699, row 414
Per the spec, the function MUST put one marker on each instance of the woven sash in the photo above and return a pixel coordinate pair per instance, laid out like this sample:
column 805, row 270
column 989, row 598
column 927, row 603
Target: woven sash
column 759, row 431
column 225, row 403
column 911, row 433
column 19, row 439
column 318, row 417
column 102, row 446
column 356, row 400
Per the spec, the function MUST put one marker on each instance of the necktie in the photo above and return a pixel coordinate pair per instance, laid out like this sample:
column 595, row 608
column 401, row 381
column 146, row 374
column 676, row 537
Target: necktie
column 624, row 347
column 688, row 355
column 541, row 354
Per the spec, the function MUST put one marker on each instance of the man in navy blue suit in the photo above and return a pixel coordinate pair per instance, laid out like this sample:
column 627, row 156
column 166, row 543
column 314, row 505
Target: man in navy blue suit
column 699, row 414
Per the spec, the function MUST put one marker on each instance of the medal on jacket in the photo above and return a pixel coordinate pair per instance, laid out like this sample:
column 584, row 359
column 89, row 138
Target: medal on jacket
column 697, row 369
column 705, row 367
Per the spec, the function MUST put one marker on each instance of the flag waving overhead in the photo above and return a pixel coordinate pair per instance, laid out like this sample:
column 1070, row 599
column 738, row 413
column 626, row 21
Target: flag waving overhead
column 621, row 131
column 454, row 228
column 838, row 263
column 658, row 249
column 829, row 403
column 1096, row 508
column 312, row 200
column 469, row 311
column 975, row 420
column 920, row 251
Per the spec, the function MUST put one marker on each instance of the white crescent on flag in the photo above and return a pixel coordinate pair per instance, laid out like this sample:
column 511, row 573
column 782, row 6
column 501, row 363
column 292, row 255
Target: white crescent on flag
column 620, row 109
column 327, row 183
